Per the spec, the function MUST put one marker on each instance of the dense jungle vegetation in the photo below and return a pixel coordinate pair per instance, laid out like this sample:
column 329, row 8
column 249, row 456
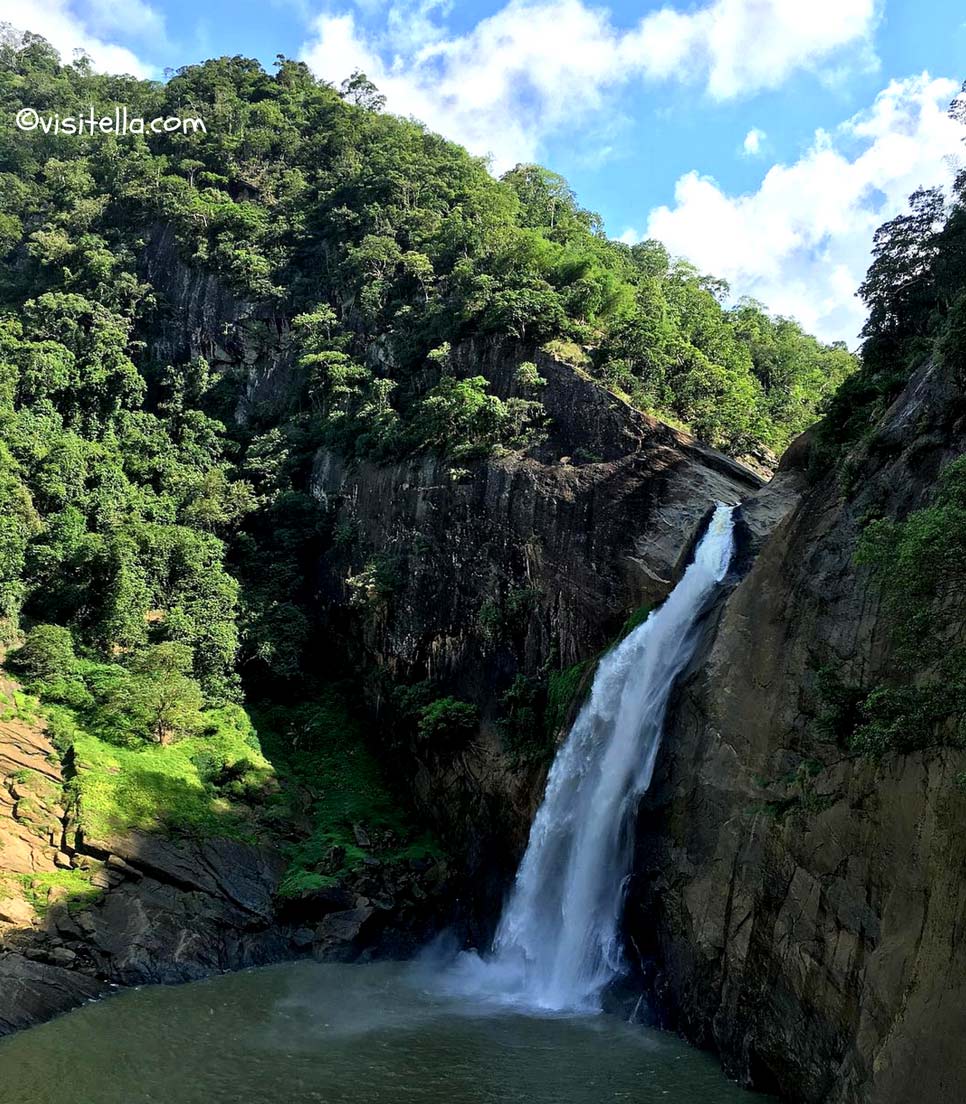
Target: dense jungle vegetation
column 154, row 552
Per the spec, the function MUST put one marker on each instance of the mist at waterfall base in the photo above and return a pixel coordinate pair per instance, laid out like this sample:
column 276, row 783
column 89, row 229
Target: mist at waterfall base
column 558, row 942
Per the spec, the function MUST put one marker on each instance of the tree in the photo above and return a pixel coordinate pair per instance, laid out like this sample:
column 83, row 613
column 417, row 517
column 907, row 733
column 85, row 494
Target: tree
column 448, row 723
column 900, row 289
column 46, row 655
column 358, row 89
column 163, row 701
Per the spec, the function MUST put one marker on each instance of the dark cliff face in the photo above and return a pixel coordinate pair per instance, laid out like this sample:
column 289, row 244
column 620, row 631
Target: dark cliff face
column 558, row 546
column 808, row 930
column 247, row 344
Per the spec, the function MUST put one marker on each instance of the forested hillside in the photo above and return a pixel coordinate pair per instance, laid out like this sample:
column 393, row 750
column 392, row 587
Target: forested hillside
column 385, row 244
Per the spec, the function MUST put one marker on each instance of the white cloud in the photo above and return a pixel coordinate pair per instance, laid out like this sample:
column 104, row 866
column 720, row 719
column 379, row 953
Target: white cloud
column 753, row 141
column 133, row 17
column 85, row 26
column 801, row 243
column 537, row 67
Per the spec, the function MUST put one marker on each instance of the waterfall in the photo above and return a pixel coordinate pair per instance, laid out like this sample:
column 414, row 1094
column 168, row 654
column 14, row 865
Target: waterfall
column 558, row 941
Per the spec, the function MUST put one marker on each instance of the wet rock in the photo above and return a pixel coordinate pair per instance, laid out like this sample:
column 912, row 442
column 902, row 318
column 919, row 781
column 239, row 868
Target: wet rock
column 303, row 937
column 61, row 956
column 339, row 937
column 31, row 992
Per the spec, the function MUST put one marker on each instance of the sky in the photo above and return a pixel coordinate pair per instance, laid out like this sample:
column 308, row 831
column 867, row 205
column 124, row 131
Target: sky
column 763, row 140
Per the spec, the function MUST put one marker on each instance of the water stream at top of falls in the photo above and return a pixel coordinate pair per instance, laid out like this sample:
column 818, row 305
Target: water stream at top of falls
column 558, row 941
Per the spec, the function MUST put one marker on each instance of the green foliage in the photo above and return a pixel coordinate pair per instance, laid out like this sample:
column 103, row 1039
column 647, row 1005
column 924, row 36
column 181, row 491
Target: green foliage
column 160, row 547
column 840, row 709
column 370, row 228
column 161, row 698
column 920, row 564
column 207, row 785
column 527, row 376
column 907, row 718
column 460, row 418
column 73, row 889
column 505, row 618
column 373, row 587
column 916, row 294
column 152, row 697
column 331, row 778
column 46, row 655
column 521, row 722
column 18, row 706
column 801, row 800
column 448, row 723
column 563, row 688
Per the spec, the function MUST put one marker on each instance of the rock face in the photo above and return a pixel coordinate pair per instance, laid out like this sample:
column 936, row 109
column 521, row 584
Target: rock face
column 247, row 344
column 795, row 908
column 516, row 566
column 31, row 992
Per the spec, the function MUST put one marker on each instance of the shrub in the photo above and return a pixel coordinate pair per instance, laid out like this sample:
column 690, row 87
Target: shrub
column 448, row 722
column 46, row 655
column 528, row 376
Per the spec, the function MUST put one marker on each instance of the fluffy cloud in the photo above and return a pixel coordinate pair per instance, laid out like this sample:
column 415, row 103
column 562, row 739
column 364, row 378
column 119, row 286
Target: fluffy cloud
column 751, row 146
column 133, row 17
column 536, row 67
column 801, row 242
column 86, row 26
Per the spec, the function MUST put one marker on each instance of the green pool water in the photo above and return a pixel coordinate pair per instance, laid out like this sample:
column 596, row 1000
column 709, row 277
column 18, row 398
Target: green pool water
column 375, row 1034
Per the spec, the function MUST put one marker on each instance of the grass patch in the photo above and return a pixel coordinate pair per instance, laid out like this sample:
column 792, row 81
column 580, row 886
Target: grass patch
column 15, row 705
column 317, row 788
column 568, row 352
column 75, row 889
column 209, row 784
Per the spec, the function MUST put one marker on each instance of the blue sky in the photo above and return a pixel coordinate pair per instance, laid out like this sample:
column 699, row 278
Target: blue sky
column 762, row 139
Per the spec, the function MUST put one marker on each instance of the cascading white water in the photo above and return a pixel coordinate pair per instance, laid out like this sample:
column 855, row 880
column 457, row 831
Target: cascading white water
column 558, row 941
